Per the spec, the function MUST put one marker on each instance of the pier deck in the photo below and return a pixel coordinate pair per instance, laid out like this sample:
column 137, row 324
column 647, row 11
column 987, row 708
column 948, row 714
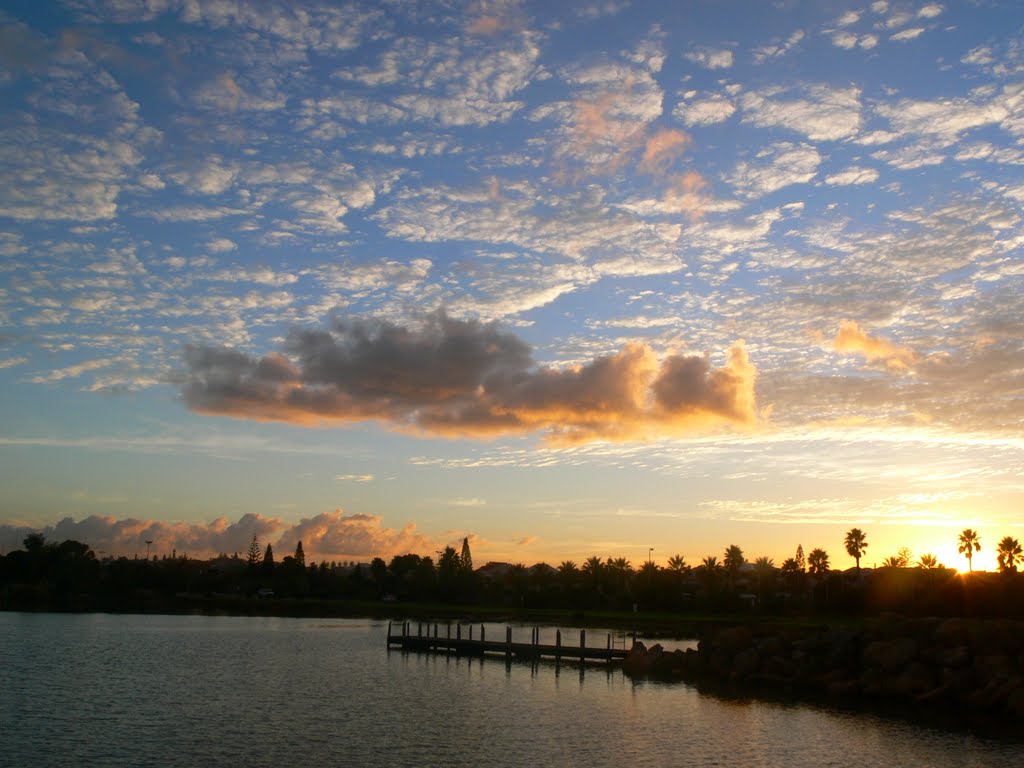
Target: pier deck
column 465, row 644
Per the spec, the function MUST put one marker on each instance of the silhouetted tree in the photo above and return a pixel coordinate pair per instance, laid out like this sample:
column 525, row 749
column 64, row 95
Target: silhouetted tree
column 927, row 562
column 648, row 572
column 793, row 572
column 465, row 558
column 764, row 570
column 817, row 562
column 568, row 573
column 254, row 553
column 733, row 561
column 267, row 566
column 593, row 567
column 801, row 561
column 620, row 569
column 517, row 579
column 856, row 544
column 1008, row 554
column 34, row 543
column 300, row 556
column 969, row 542
column 677, row 564
column 708, row 573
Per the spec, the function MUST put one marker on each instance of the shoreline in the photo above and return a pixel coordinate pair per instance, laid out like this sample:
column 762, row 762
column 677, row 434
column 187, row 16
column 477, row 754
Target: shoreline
column 944, row 670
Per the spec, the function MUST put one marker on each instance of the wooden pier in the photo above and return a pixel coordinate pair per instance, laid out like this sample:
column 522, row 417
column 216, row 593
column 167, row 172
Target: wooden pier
column 424, row 640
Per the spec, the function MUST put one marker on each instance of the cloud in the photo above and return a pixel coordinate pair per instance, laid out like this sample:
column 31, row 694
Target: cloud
column 662, row 149
column 684, row 195
column 491, row 17
column 851, row 338
column 601, row 8
column 778, row 48
column 464, row 378
column 775, row 167
column 711, row 59
column 825, row 114
column 335, row 534
column 74, row 371
column 907, row 34
column 221, row 245
column 609, row 118
column 468, row 502
column 329, row 535
column 470, row 81
column 354, row 478
column 715, row 109
column 853, row 175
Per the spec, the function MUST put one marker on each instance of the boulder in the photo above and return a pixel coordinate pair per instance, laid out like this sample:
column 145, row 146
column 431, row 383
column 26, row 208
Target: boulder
column 890, row 655
column 745, row 664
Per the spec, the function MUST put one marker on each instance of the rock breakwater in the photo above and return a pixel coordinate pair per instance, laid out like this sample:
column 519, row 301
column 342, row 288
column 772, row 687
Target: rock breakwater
column 944, row 665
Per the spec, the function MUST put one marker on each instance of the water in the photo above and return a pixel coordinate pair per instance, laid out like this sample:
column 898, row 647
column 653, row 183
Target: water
column 107, row 690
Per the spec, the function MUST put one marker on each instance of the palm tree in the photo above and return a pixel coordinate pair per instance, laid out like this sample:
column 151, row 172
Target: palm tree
column 856, row 543
column 793, row 572
column 928, row 562
column 593, row 567
column 648, row 572
column 568, row 568
column 677, row 564
column 900, row 560
column 1009, row 553
column 621, row 569
column 970, row 542
column 764, row 568
column 567, row 573
column 708, row 572
column 733, row 561
column 817, row 562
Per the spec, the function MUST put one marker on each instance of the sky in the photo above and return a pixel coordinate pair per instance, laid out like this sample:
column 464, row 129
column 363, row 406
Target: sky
column 626, row 279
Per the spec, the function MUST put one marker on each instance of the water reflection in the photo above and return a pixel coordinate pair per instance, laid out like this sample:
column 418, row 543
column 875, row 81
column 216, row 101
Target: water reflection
column 160, row 690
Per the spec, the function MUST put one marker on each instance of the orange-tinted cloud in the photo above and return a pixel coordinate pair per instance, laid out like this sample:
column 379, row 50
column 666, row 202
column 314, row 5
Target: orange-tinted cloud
column 329, row 535
column 603, row 127
column 231, row 90
column 662, row 149
column 465, row 378
column 489, row 17
column 851, row 338
column 684, row 195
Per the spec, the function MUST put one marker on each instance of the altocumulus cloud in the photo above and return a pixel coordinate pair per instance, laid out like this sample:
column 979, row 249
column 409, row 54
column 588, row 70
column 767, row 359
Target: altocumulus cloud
column 465, row 378
column 327, row 535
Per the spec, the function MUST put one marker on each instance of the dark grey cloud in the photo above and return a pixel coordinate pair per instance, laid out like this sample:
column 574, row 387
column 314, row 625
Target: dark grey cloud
column 463, row 377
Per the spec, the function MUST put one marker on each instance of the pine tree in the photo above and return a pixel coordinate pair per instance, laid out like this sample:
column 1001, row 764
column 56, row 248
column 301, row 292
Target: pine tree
column 466, row 559
column 268, row 558
column 300, row 556
column 801, row 561
column 253, row 555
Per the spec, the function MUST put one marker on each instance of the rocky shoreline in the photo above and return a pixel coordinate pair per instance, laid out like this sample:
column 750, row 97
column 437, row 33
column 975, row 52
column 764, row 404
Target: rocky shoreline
column 968, row 668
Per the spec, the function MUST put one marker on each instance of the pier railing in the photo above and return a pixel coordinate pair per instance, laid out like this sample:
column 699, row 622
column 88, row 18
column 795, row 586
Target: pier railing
column 427, row 638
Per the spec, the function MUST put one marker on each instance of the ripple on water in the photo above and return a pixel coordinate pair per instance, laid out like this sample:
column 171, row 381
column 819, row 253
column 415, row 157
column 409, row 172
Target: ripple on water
column 108, row 690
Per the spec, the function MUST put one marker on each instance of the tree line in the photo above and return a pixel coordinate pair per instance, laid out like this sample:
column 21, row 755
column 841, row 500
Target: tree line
column 69, row 576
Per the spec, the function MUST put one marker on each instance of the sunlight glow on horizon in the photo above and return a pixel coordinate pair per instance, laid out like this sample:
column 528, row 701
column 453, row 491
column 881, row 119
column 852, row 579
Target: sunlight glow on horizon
column 569, row 279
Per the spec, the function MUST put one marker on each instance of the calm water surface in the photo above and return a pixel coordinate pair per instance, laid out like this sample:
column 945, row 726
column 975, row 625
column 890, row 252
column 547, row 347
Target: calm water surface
column 106, row 690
